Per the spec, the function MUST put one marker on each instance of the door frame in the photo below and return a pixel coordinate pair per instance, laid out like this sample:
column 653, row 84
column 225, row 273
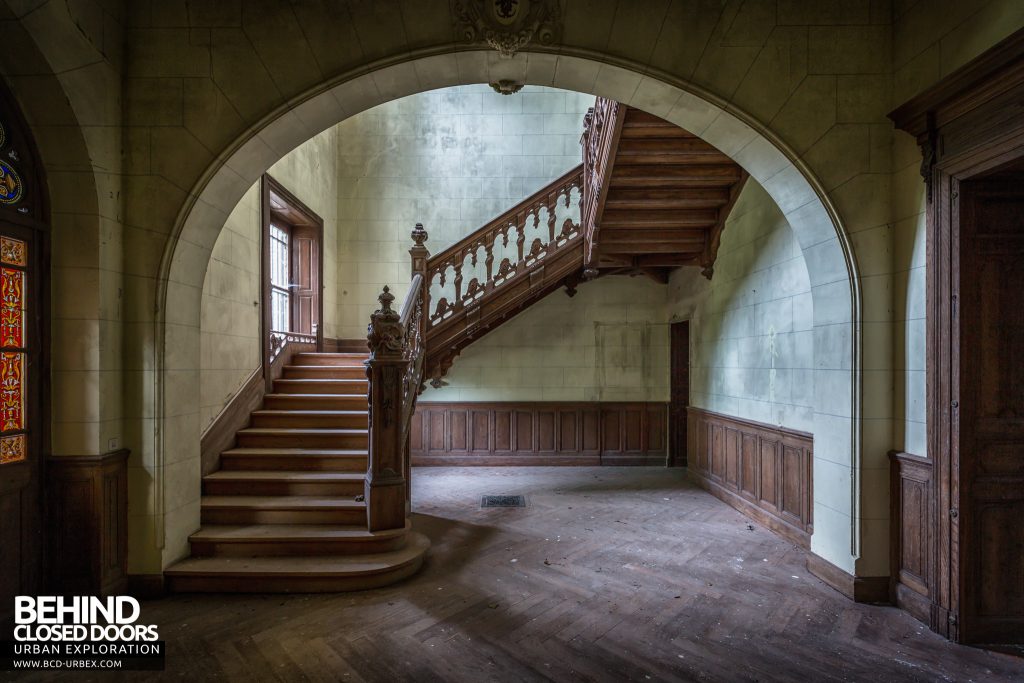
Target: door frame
column 966, row 125
column 299, row 214
column 674, row 459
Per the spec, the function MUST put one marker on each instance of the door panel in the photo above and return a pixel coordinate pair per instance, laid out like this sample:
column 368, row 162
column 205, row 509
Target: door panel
column 679, row 397
column 305, row 281
column 991, row 504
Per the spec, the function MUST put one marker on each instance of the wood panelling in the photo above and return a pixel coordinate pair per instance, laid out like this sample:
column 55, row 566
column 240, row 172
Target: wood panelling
column 539, row 433
column 763, row 471
column 87, row 516
column 913, row 555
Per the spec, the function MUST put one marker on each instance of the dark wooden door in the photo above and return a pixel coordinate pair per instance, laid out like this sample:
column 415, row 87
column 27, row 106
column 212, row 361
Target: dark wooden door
column 305, row 281
column 990, row 515
column 679, row 397
column 22, row 366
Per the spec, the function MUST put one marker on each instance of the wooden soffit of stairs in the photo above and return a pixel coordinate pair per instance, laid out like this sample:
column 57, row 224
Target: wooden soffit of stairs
column 665, row 198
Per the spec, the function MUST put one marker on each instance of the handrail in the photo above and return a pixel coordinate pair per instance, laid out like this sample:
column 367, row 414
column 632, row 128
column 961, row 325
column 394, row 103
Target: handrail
column 601, row 129
column 489, row 259
column 394, row 372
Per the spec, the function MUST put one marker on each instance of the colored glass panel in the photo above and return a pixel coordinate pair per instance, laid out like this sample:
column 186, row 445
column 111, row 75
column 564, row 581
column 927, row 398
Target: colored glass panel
column 12, row 310
column 12, row 395
column 11, row 188
column 12, row 448
column 12, row 252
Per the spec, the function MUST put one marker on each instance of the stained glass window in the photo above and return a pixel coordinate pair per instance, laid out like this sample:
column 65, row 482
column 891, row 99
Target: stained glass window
column 13, row 342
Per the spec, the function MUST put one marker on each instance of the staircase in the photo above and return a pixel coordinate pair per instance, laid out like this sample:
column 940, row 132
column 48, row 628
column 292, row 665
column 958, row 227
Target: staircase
column 286, row 511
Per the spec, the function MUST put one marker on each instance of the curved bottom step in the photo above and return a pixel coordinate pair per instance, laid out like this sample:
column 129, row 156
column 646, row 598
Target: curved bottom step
column 307, row 574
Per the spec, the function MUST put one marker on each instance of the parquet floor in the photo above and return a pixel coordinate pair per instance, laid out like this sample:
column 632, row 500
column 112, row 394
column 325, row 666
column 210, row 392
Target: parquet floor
column 613, row 574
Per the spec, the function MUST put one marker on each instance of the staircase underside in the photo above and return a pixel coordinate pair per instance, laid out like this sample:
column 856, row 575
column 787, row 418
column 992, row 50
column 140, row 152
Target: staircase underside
column 668, row 196
column 285, row 511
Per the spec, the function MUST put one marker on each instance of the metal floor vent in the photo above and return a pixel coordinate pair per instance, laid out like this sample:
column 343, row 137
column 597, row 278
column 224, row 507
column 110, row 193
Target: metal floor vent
column 503, row 502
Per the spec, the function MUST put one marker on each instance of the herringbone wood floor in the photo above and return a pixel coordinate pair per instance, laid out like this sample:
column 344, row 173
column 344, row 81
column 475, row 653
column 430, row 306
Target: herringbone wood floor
column 613, row 574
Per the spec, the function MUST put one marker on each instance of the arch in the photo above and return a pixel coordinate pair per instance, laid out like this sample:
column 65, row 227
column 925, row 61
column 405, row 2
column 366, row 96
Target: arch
column 831, row 264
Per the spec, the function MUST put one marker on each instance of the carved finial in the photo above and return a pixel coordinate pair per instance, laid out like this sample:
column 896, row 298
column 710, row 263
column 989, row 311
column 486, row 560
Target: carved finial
column 385, row 299
column 590, row 273
column 385, row 335
column 419, row 235
column 506, row 86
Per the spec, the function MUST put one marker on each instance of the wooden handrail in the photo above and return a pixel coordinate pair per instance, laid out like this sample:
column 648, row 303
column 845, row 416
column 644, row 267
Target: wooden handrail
column 394, row 373
column 602, row 127
column 511, row 227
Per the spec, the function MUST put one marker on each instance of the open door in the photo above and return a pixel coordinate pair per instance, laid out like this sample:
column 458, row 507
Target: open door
column 679, row 398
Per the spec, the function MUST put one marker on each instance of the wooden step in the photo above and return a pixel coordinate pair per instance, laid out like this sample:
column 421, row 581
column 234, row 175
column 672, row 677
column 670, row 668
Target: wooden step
column 324, row 372
column 280, row 510
column 268, row 540
column 283, row 483
column 278, row 437
column 313, row 574
column 349, row 387
column 334, row 359
column 315, row 402
column 321, row 419
column 294, row 459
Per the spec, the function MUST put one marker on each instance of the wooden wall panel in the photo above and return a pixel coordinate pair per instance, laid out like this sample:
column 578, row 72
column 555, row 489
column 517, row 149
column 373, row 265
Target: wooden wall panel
column 540, row 433
column 761, row 470
column 913, row 553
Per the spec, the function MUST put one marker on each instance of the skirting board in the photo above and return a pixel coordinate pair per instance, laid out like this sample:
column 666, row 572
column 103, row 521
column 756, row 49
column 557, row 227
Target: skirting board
column 870, row 589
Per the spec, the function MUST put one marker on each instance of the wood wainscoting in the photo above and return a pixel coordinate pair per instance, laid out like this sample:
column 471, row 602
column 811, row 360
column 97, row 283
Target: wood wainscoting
column 913, row 554
column 87, row 518
column 761, row 470
column 540, row 433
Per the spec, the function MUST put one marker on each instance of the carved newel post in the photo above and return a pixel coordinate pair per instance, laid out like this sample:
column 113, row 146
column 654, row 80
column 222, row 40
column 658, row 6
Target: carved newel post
column 386, row 482
column 419, row 255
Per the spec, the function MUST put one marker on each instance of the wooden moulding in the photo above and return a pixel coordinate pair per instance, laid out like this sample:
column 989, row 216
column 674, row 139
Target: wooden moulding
column 763, row 471
column 872, row 589
column 87, row 518
column 540, row 433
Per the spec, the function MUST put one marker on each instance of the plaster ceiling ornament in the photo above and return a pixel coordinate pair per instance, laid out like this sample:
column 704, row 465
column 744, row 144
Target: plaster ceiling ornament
column 506, row 86
column 508, row 25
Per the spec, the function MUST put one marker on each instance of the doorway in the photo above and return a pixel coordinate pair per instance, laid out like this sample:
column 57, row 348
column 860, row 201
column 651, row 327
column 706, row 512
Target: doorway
column 292, row 270
column 991, row 415
column 679, row 392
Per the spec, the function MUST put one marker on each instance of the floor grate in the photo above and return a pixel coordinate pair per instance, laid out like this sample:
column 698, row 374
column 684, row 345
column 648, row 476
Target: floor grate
column 503, row 502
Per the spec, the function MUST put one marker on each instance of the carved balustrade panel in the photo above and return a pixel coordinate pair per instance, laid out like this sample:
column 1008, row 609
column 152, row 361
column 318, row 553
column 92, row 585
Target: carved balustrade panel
column 600, row 133
column 505, row 248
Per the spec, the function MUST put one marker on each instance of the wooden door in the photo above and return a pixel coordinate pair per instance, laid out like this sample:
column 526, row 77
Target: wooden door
column 989, row 517
column 679, row 397
column 305, row 281
column 22, row 367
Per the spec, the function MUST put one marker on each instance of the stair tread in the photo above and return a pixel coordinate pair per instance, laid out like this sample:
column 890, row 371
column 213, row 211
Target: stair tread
column 295, row 451
column 303, row 566
column 322, row 380
column 281, row 502
column 306, row 413
column 301, row 430
column 284, row 475
column 288, row 532
column 309, row 397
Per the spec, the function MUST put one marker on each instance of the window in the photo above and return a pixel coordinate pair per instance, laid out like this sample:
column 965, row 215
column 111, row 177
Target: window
column 13, row 350
column 280, row 292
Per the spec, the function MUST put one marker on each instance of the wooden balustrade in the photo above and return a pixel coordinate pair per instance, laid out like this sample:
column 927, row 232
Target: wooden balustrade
column 490, row 248
column 602, row 127
column 395, row 375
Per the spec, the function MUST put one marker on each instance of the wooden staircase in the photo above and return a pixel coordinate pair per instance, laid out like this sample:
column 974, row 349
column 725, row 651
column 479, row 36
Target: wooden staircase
column 286, row 511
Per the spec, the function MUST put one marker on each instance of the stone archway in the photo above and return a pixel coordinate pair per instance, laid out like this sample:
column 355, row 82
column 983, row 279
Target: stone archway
column 816, row 225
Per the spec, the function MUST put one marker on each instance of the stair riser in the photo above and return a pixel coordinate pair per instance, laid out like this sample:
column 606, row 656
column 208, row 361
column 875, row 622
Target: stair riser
column 314, row 387
column 301, row 402
column 288, row 547
column 291, row 584
column 344, row 442
column 302, row 463
column 215, row 487
column 256, row 516
column 330, row 361
column 324, row 372
column 291, row 421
